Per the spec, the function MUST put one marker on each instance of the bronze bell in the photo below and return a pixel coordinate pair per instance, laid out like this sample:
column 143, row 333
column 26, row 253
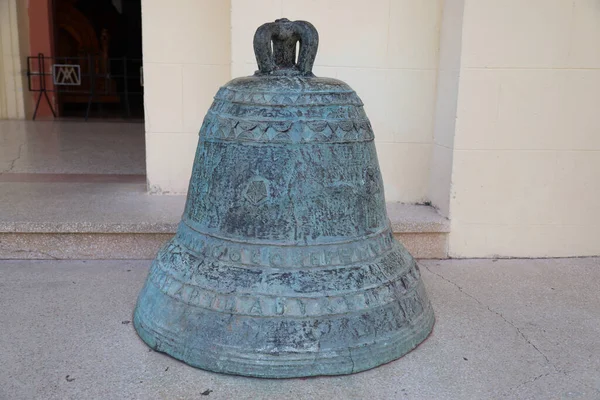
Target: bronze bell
column 284, row 263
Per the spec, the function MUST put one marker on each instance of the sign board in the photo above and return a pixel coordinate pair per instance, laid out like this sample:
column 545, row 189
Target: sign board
column 66, row 74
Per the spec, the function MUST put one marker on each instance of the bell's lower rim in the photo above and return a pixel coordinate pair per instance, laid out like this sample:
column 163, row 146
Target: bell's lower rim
column 342, row 361
column 270, row 335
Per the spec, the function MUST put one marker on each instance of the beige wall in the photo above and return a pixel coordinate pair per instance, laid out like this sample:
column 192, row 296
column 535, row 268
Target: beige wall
column 186, row 46
column 526, row 150
column 391, row 61
column 387, row 50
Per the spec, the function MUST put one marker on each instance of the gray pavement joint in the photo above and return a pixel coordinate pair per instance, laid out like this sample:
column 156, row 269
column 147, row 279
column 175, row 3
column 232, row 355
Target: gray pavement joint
column 530, row 381
column 45, row 255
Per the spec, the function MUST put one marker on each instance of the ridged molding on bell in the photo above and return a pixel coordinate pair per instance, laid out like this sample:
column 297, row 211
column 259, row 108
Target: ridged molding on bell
column 284, row 264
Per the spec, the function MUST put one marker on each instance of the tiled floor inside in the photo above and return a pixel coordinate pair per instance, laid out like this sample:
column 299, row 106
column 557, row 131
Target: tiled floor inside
column 61, row 150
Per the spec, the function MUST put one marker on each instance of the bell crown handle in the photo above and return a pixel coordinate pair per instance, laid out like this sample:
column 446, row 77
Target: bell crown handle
column 284, row 34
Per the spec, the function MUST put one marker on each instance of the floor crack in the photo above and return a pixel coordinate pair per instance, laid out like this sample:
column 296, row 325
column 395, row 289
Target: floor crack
column 460, row 289
column 13, row 162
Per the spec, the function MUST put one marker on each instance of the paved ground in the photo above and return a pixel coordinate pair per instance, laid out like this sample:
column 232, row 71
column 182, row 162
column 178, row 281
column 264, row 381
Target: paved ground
column 506, row 329
column 73, row 147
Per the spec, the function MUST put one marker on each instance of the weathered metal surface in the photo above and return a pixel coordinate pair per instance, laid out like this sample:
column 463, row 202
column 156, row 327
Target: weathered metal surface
column 284, row 264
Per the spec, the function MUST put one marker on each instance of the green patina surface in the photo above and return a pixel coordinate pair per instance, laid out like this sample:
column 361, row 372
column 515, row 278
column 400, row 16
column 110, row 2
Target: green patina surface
column 284, row 264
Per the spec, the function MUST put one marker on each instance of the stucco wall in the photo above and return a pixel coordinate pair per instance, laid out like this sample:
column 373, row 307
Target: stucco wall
column 186, row 46
column 387, row 50
column 526, row 149
column 503, row 137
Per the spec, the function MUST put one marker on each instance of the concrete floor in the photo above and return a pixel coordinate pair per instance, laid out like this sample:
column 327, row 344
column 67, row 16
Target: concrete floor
column 86, row 207
column 71, row 147
column 506, row 329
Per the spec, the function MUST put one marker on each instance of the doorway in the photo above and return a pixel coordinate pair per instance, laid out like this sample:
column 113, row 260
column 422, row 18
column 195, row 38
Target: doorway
column 101, row 41
column 103, row 38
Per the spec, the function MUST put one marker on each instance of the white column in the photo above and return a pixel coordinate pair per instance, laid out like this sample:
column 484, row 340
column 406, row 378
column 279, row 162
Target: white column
column 13, row 45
